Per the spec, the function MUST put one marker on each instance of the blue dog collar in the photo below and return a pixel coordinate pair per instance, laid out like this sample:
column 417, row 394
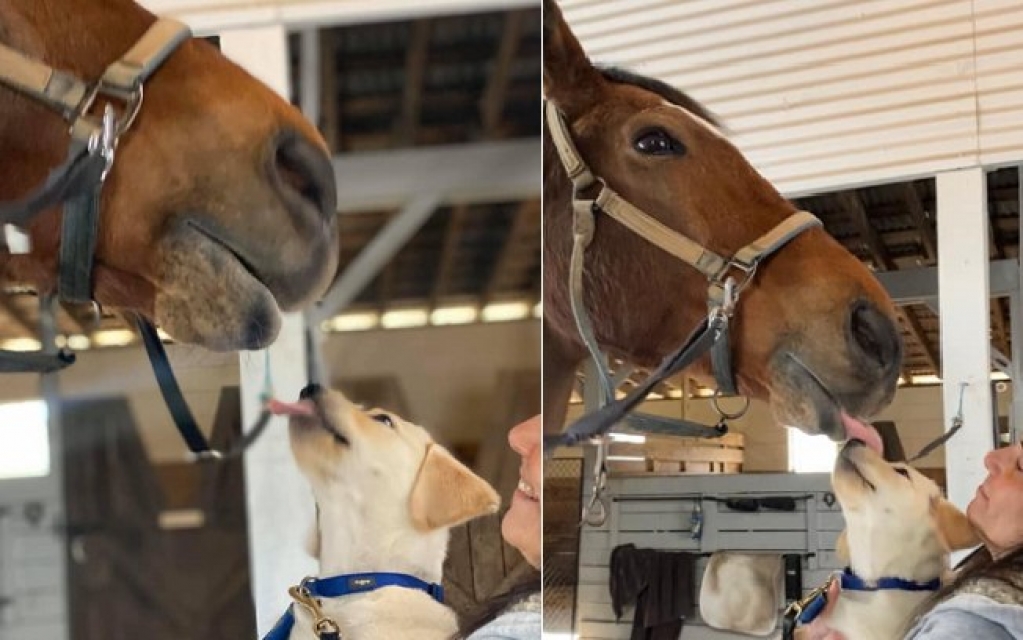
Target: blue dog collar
column 350, row 584
column 853, row 582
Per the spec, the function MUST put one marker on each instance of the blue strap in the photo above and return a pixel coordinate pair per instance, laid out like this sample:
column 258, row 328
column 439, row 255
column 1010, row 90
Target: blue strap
column 349, row 584
column 853, row 582
column 813, row 609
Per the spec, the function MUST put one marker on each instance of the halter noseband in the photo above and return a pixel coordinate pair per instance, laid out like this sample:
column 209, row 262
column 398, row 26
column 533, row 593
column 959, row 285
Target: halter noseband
column 78, row 183
column 722, row 294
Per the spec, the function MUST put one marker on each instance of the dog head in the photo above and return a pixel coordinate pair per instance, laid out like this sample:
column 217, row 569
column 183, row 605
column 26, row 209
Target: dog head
column 373, row 467
column 897, row 522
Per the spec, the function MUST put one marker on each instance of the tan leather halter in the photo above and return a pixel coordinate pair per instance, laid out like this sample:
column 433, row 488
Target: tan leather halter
column 722, row 295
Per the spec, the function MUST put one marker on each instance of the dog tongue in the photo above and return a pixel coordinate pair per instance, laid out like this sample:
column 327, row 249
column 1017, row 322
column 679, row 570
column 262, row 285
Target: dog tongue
column 858, row 430
column 300, row 408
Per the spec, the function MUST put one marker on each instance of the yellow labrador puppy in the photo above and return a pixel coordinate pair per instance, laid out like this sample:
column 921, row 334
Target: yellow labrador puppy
column 899, row 532
column 386, row 496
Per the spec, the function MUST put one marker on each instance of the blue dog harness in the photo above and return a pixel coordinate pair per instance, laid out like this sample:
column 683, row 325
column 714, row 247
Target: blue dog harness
column 348, row 584
column 806, row 610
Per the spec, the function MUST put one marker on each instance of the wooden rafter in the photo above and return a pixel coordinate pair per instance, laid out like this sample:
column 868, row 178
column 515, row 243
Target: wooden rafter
column 922, row 222
column 495, row 94
column 526, row 217
column 19, row 316
column 416, row 57
column 445, row 267
column 871, row 239
column 853, row 205
column 917, row 330
column 330, row 112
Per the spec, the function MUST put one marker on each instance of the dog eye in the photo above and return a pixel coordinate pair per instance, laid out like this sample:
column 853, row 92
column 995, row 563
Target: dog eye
column 902, row 472
column 657, row 142
column 383, row 419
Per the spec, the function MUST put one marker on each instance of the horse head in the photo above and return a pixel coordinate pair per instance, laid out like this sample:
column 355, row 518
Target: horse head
column 220, row 210
column 814, row 333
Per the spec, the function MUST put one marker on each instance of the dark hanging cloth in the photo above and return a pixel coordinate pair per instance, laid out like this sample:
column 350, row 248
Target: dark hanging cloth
column 660, row 583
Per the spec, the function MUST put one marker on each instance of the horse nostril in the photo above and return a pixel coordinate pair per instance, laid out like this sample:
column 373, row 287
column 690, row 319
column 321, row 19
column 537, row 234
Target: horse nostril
column 303, row 173
column 875, row 335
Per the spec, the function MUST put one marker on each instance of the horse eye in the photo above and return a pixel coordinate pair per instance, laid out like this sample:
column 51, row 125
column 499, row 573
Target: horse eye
column 657, row 142
column 383, row 419
column 902, row 472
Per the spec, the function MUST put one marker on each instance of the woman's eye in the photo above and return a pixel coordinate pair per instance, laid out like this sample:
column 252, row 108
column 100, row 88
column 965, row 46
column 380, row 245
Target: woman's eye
column 657, row 142
column 383, row 419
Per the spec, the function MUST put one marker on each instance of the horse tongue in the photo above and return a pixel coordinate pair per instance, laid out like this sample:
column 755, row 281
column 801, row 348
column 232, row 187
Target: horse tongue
column 856, row 429
column 300, row 408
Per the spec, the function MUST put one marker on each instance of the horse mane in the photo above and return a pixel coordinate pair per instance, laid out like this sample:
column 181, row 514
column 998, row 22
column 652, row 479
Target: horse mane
column 658, row 87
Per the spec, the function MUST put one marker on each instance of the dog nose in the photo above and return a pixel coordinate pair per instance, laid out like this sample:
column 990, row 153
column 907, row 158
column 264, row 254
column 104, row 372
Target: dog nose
column 312, row 389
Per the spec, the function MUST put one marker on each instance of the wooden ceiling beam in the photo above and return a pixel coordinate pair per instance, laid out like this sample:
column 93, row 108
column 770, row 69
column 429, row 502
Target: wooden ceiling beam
column 449, row 251
column 18, row 316
column 526, row 217
column 416, row 58
column 918, row 333
column 330, row 110
column 495, row 94
column 869, row 236
column 921, row 220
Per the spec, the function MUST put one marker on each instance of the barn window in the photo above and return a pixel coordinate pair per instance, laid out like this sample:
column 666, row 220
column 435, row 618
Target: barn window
column 810, row 454
column 24, row 440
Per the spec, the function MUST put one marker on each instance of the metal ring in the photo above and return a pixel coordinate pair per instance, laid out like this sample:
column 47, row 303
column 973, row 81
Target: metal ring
column 724, row 414
column 595, row 513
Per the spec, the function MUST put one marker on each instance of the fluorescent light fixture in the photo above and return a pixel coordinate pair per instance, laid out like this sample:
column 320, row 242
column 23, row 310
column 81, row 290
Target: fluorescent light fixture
column 21, row 344
column 926, row 379
column 634, row 438
column 463, row 314
column 163, row 335
column 675, row 394
column 538, row 310
column 113, row 338
column 506, row 311
column 353, row 321
column 404, row 318
column 78, row 342
column 625, row 458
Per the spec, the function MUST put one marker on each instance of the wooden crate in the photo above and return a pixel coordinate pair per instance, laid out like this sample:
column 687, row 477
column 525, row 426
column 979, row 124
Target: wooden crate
column 669, row 455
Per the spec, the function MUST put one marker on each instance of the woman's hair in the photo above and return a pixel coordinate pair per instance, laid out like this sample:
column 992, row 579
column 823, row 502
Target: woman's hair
column 1007, row 571
column 492, row 608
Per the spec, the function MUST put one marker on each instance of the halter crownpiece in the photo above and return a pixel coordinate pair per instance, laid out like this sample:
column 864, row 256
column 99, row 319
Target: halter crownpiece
column 722, row 294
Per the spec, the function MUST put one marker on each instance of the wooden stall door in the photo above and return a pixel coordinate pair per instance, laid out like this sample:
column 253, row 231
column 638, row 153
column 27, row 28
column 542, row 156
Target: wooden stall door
column 130, row 577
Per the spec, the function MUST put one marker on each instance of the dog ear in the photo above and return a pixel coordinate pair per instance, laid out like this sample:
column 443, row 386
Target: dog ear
column 842, row 546
column 446, row 493
column 954, row 529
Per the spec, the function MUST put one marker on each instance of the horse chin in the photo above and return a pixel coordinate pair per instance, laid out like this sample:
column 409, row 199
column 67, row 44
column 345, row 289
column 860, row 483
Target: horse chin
column 207, row 296
column 800, row 398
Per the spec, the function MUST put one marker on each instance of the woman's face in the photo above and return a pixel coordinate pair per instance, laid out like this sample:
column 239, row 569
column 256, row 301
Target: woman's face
column 997, row 509
column 521, row 525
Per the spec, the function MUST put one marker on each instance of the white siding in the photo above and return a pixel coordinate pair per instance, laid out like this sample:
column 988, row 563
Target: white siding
column 835, row 92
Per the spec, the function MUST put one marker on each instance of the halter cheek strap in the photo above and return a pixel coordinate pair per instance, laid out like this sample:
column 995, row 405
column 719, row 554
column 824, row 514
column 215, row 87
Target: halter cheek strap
column 722, row 295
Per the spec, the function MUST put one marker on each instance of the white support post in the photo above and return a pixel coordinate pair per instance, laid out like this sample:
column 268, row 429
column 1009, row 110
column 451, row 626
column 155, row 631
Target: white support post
column 280, row 507
column 965, row 326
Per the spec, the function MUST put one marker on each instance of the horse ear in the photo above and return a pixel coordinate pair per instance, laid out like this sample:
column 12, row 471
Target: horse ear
column 954, row 529
column 568, row 76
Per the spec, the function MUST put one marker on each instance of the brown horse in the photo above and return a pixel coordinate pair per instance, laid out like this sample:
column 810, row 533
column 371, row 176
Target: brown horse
column 220, row 210
column 814, row 334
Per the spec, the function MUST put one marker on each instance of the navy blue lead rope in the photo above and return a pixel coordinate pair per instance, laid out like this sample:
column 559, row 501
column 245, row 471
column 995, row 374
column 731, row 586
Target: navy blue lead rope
column 350, row 584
